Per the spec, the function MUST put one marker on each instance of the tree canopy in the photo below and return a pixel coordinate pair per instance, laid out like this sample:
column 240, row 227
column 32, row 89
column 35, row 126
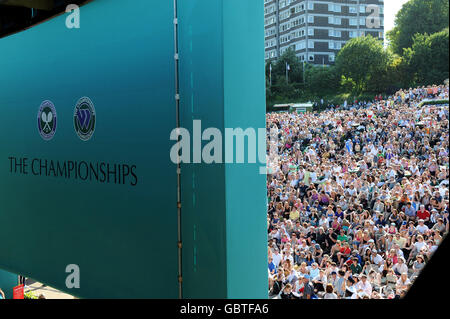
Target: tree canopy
column 417, row 16
column 428, row 58
column 361, row 60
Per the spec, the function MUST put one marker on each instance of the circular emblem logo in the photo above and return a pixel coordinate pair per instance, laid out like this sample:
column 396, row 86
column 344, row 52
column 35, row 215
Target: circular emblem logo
column 46, row 120
column 84, row 118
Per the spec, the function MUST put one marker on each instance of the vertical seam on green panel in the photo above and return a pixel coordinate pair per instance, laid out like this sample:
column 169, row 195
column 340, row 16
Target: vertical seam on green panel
column 225, row 164
column 177, row 111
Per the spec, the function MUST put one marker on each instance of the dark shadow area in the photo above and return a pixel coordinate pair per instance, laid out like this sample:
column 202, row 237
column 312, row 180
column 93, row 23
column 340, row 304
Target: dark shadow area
column 18, row 15
column 434, row 278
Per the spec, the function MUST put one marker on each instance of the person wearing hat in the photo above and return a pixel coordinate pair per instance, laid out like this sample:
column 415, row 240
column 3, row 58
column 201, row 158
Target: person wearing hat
column 364, row 285
column 421, row 227
column 314, row 270
column 308, row 289
column 317, row 252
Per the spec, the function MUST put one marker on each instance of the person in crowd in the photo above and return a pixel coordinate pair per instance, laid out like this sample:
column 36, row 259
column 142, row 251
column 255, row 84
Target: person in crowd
column 329, row 292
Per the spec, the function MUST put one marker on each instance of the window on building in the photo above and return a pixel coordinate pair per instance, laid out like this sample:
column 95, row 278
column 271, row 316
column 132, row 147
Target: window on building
column 285, row 27
column 334, row 7
column 269, row 21
column 334, row 33
column 353, row 21
column 352, row 9
column 310, row 44
column 311, row 57
column 310, row 5
column 334, row 20
column 285, row 15
column 310, row 19
column 300, row 45
column 310, row 31
column 331, row 58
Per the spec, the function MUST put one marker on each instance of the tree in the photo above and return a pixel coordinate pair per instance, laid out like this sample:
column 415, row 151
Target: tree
column 362, row 59
column 417, row 16
column 296, row 68
column 399, row 74
column 428, row 58
column 321, row 81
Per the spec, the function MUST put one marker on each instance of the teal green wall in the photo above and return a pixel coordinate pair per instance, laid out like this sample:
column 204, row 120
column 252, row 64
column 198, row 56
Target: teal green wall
column 7, row 282
column 224, row 209
column 245, row 187
column 123, row 237
column 203, row 185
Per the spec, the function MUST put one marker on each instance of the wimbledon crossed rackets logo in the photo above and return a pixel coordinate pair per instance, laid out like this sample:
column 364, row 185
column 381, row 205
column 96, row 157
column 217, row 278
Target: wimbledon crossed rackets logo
column 46, row 120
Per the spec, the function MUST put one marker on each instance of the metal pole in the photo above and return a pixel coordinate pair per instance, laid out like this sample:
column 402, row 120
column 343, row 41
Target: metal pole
column 177, row 108
column 270, row 74
column 304, row 78
column 287, row 76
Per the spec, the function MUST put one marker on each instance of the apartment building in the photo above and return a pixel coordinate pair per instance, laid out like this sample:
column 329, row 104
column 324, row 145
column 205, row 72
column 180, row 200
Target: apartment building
column 318, row 29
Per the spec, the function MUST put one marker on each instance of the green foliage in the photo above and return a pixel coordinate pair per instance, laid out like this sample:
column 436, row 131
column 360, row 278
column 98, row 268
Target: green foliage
column 428, row 58
column 417, row 16
column 433, row 102
column 322, row 80
column 363, row 60
column 30, row 295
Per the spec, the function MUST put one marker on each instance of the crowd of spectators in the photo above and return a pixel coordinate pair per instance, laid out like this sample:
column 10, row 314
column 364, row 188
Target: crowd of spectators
column 357, row 196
